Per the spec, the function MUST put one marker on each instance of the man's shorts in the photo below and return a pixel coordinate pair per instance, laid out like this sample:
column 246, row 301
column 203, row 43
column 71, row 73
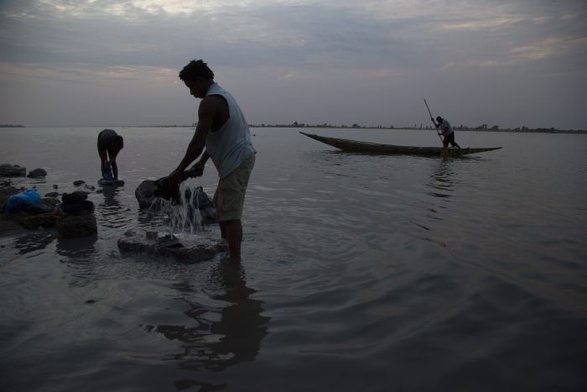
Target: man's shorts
column 229, row 198
column 448, row 139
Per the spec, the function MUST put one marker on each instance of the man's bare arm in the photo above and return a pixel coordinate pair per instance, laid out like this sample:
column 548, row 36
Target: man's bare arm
column 206, row 112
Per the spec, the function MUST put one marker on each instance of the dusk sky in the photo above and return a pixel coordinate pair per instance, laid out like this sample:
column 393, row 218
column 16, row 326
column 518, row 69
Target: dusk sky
column 115, row 63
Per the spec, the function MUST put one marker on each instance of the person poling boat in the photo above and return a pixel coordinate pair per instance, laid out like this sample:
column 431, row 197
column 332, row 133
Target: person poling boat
column 446, row 131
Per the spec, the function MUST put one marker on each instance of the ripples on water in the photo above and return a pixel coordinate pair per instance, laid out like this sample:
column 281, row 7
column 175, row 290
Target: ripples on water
column 370, row 273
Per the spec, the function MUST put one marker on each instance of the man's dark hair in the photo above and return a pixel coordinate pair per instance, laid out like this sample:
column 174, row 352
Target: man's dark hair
column 194, row 69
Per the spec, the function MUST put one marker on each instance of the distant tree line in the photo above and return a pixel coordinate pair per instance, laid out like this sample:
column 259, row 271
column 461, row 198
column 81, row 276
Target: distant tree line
column 482, row 127
column 295, row 124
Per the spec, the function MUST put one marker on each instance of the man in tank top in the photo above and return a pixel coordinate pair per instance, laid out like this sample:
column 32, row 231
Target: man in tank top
column 223, row 130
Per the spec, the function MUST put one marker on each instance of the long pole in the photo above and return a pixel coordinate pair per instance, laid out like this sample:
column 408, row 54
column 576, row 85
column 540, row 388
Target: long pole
column 432, row 118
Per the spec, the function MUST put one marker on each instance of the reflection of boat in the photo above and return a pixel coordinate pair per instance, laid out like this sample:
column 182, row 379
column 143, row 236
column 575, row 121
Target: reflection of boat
column 377, row 148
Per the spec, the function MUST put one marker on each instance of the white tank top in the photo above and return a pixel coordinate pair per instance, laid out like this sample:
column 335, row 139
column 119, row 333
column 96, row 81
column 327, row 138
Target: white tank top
column 231, row 145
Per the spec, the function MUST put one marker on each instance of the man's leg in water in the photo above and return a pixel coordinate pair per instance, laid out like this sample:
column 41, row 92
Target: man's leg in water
column 233, row 233
column 229, row 200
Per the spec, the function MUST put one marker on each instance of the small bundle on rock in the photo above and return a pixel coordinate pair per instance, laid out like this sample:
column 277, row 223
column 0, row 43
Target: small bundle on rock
column 79, row 219
column 76, row 203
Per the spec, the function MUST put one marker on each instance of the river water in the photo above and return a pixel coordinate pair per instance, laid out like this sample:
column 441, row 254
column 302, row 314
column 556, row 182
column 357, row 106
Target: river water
column 359, row 272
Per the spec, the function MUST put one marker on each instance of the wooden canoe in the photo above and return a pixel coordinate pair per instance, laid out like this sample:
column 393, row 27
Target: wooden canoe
column 377, row 148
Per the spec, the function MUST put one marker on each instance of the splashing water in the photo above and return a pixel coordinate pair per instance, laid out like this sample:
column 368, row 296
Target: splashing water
column 187, row 213
column 185, row 216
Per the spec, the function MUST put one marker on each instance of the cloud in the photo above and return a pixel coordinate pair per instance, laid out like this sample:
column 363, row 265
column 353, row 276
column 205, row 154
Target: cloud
column 375, row 50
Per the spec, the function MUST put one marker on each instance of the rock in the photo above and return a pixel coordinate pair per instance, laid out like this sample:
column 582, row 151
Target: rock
column 75, row 203
column 51, row 201
column 52, row 194
column 145, row 193
column 74, row 197
column 10, row 223
column 79, row 182
column 40, row 209
column 37, row 173
column 47, row 204
column 188, row 251
column 78, row 208
column 70, row 226
column 8, row 170
column 48, row 219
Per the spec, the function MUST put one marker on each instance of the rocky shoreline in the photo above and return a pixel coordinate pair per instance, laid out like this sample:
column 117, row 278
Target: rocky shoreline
column 71, row 215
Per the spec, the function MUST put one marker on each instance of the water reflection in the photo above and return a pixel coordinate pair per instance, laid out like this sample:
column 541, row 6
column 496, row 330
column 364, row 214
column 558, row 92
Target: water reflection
column 441, row 181
column 440, row 186
column 111, row 210
column 110, row 196
column 33, row 241
column 224, row 333
column 79, row 255
column 81, row 248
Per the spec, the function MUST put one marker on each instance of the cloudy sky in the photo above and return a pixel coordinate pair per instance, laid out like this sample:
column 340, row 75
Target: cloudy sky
column 509, row 63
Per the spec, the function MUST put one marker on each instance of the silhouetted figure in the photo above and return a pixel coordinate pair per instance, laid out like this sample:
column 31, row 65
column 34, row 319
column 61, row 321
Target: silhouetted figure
column 109, row 145
column 223, row 130
column 445, row 130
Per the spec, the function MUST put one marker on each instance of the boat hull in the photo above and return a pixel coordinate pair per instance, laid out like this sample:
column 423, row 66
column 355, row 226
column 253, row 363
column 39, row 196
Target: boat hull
column 390, row 149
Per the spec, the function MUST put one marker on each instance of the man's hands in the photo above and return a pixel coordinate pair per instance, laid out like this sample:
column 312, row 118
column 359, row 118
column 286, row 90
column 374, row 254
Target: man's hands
column 177, row 176
column 197, row 170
